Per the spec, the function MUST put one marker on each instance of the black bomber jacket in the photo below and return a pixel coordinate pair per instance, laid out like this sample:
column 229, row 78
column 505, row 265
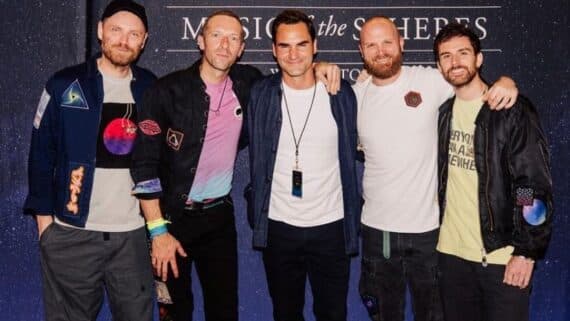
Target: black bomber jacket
column 173, row 122
column 513, row 168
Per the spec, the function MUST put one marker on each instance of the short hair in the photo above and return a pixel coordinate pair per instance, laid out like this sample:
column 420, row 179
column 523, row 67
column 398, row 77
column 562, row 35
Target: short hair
column 291, row 17
column 227, row 13
column 452, row 30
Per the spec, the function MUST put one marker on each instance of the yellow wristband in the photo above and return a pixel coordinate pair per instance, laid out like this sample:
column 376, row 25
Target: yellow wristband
column 156, row 223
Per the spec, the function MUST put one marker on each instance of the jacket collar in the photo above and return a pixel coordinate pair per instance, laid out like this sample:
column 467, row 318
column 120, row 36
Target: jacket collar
column 482, row 116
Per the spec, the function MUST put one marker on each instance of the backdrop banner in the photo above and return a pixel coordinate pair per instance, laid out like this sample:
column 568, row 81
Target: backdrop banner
column 525, row 40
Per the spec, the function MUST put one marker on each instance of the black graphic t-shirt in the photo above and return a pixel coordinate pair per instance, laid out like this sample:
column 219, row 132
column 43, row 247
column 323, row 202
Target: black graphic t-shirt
column 117, row 133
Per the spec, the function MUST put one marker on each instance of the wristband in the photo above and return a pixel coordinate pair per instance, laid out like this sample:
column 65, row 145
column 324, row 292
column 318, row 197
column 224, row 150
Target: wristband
column 159, row 230
column 156, row 223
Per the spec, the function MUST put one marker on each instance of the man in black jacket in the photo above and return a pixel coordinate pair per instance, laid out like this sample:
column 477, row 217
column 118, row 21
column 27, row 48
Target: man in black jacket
column 183, row 165
column 190, row 127
column 495, row 191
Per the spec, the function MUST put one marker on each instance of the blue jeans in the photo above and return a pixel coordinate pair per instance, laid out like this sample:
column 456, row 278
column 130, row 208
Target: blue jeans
column 472, row 292
column 295, row 253
column 390, row 261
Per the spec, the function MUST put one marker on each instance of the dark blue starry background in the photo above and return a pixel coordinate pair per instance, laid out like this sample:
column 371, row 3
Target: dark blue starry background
column 41, row 37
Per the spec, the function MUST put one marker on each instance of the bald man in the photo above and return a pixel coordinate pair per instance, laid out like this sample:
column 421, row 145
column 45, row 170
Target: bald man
column 397, row 126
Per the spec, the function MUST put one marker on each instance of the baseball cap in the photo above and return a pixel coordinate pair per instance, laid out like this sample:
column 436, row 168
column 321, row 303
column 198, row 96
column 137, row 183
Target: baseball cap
column 125, row 5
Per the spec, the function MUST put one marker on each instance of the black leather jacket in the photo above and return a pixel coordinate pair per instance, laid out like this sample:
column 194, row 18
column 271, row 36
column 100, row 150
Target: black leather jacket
column 175, row 115
column 512, row 159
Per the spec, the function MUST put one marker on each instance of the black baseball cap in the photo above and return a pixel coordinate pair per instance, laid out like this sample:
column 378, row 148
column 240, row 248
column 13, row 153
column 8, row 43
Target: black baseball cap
column 125, row 5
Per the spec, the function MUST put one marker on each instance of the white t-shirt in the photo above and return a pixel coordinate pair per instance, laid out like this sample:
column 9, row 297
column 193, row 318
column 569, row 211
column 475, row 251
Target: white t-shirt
column 400, row 148
column 322, row 201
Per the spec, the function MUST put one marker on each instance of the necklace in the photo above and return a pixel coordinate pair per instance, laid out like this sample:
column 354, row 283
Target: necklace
column 126, row 123
column 295, row 140
column 217, row 110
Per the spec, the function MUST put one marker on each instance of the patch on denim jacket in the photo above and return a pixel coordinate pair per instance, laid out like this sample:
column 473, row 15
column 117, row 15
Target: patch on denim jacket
column 75, row 186
column 371, row 304
column 42, row 105
column 73, row 97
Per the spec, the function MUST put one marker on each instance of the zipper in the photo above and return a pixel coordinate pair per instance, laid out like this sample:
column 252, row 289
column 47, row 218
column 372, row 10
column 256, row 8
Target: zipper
column 442, row 186
column 491, row 219
column 484, row 257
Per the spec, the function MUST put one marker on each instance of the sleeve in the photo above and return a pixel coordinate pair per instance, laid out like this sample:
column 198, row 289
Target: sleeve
column 244, row 135
column 443, row 88
column 147, row 151
column 249, row 122
column 42, row 158
column 529, row 162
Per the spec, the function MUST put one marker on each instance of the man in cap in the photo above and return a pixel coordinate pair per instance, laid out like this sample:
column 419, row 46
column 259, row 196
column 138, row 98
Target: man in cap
column 92, row 235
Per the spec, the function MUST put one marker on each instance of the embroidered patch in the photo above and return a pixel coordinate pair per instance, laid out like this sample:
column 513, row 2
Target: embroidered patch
column 42, row 105
column 238, row 112
column 149, row 127
column 174, row 139
column 525, row 196
column 73, row 97
column 413, row 99
column 535, row 214
column 75, row 183
column 149, row 186
column 371, row 304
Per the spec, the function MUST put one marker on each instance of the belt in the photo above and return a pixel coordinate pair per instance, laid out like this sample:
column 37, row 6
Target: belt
column 205, row 204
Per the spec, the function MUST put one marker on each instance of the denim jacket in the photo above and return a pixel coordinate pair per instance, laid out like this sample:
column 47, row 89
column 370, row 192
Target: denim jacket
column 64, row 141
column 264, row 126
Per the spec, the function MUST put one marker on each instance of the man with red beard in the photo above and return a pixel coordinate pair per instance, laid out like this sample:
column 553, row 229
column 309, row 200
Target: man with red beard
column 495, row 191
column 92, row 236
column 397, row 128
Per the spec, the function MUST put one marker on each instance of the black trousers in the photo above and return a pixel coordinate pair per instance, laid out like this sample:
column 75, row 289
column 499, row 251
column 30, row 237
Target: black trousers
column 390, row 262
column 472, row 292
column 295, row 253
column 209, row 238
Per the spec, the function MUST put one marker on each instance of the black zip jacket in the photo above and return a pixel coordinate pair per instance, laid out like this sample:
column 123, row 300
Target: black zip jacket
column 512, row 160
column 175, row 116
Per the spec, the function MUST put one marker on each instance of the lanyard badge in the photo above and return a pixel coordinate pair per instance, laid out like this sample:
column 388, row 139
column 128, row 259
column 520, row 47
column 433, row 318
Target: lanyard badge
column 297, row 175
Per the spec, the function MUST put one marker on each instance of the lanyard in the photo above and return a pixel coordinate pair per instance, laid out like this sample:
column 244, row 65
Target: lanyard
column 295, row 140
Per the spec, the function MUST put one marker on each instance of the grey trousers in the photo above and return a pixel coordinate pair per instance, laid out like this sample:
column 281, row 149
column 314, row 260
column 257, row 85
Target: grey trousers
column 78, row 266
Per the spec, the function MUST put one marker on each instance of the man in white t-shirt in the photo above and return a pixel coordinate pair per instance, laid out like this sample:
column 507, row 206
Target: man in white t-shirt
column 397, row 128
column 303, row 193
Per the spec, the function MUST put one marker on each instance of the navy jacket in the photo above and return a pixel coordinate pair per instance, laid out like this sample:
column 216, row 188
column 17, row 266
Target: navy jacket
column 264, row 126
column 64, row 141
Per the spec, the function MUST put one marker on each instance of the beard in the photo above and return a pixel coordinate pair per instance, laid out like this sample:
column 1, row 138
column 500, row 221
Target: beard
column 461, row 81
column 383, row 70
column 120, row 58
